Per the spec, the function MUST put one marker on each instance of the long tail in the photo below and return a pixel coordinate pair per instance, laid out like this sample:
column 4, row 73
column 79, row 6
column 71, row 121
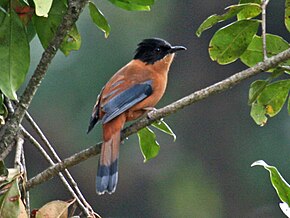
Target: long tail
column 107, row 175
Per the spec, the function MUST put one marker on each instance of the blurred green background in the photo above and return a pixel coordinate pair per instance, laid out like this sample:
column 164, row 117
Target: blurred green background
column 206, row 172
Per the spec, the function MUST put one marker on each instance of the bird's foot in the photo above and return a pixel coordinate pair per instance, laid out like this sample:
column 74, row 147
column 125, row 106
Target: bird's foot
column 149, row 109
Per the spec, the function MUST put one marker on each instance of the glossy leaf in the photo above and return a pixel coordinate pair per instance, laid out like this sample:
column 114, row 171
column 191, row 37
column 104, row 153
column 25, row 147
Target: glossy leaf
column 42, row 7
column 14, row 54
column 54, row 209
column 258, row 112
column 148, row 144
column 287, row 14
column 129, row 6
column 99, row 19
column 281, row 186
column 233, row 10
column 254, row 52
column 164, row 127
column 274, row 96
column 71, row 42
column 230, row 42
column 255, row 89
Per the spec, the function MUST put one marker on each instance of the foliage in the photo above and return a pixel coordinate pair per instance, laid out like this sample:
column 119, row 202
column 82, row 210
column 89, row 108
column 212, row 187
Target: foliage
column 239, row 40
column 278, row 182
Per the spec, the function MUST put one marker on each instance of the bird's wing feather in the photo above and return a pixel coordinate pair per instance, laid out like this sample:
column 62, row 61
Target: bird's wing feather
column 125, row 100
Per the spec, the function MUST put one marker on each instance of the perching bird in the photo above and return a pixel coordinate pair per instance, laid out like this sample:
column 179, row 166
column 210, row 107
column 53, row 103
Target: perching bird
column 134, row 90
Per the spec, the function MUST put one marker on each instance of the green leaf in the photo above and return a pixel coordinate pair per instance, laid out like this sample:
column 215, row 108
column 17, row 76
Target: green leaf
column 255, row 89
column 254, row 52
column 233, row 10
column 164, row 127
column 71, row 42
column 287, row 14
column 14, row 54
column 258, row 112
column 250, row 12
column 129, row 6
column 99, row 19
column 42, row 7
column 139, row 2
column 47, row 27
column 281, row 186
column 230, row 42
column 148, row 144
column 274, row 96
column 251, row 1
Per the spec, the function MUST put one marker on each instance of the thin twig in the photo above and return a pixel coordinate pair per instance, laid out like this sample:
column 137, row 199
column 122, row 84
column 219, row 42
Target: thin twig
column 56, row 157
column 264, row 6
column 66, row 184
column 26, row 192
column 18, row 152
column 75, row 7
column 163, row 112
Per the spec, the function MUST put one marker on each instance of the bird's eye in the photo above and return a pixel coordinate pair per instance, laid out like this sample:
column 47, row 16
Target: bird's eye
column 157, row 50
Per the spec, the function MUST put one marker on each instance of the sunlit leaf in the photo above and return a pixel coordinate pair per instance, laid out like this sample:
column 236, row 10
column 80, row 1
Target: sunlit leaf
column 255, row 90
column 274, row 96
column 42, row 7
column 164, row 127
column 281, row 186
column 231, row 41
column 54, row 209
column 129, row 6
column 99, row 19
column 254, row 53
column 14, row 54
column 287, row 14
column 148, row 144
column 258, row 112
column 232, row 11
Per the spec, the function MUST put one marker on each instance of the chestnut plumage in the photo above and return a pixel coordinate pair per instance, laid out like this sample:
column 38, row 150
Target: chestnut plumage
column 135, row 88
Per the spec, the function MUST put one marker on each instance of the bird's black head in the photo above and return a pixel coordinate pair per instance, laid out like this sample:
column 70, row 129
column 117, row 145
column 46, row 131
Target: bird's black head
column 155, row 49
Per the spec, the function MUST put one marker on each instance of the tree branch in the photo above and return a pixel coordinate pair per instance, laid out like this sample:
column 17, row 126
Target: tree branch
column 163, row 112
column 12, row 125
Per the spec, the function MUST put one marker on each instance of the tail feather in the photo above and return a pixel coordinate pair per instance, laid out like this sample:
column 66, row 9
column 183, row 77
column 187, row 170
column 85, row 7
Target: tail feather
column 107, row 176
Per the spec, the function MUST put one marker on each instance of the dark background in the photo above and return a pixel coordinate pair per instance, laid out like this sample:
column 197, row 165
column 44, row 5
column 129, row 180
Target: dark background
column 206, row 172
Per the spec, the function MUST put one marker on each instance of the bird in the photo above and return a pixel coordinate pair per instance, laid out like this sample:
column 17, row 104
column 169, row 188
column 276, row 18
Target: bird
column 131, row 92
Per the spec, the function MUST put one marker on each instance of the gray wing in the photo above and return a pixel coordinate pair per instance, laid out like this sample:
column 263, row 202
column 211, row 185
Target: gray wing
column 126, row 99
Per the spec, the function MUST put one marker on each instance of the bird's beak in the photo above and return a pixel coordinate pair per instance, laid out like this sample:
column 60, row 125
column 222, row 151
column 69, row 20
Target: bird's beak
column 176, row 48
